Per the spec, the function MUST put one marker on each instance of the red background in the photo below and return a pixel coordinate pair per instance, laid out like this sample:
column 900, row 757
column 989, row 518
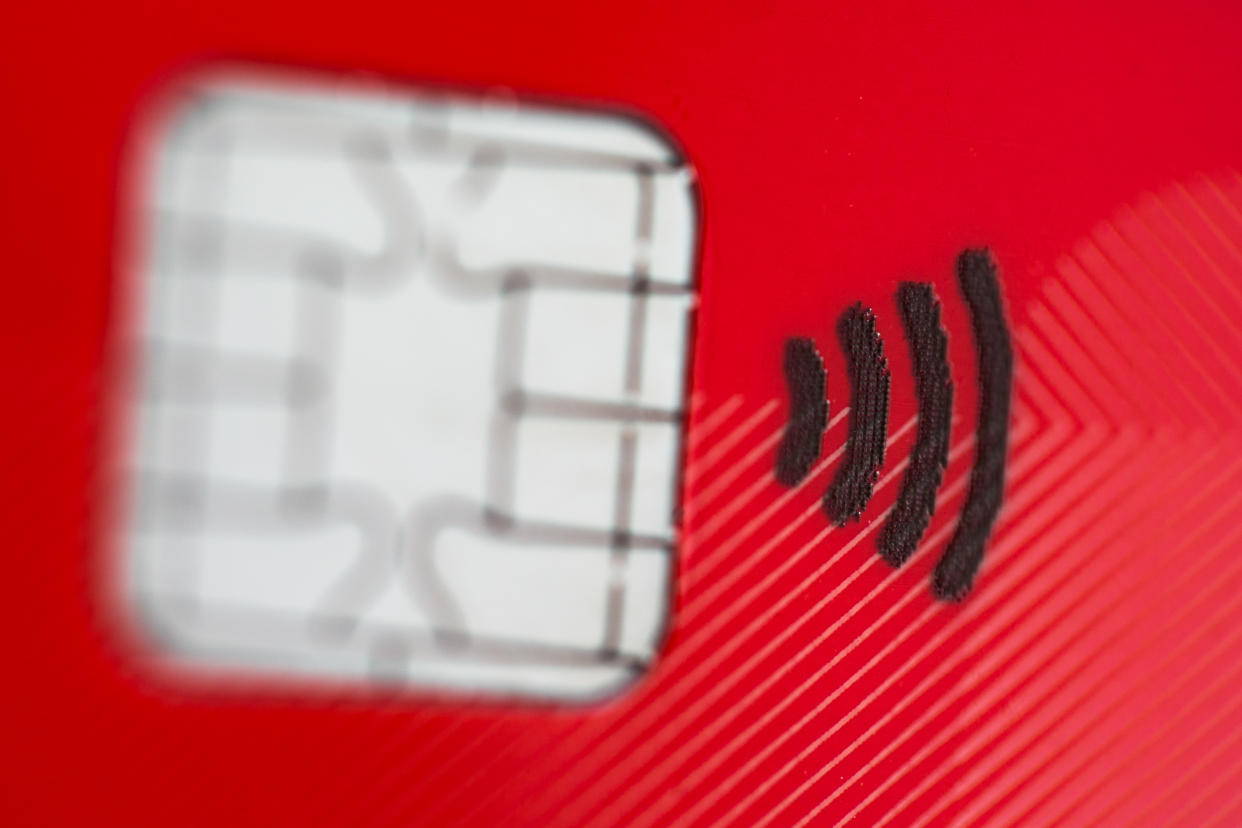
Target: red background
column 839, row 148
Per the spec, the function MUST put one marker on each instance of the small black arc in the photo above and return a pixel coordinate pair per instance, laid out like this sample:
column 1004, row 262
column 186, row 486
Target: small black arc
column 933, row 390
column 867, row 368
column 977, row 278
column 807, row 382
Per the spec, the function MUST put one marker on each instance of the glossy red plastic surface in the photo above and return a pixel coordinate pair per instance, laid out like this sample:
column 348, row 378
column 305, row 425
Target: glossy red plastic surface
column 1091, row 676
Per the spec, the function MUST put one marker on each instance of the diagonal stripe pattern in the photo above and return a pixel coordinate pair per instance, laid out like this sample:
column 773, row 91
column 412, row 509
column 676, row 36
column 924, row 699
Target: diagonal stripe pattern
column 1089, row 678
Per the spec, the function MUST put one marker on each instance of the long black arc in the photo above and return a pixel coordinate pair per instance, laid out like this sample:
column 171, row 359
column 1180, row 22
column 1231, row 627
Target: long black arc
column 807, row 383
column 933, row 390
column 867, row 368
column 956, row 570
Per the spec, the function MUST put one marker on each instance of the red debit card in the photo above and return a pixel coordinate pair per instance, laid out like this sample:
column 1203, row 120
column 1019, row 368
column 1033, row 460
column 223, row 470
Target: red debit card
column 642, row 414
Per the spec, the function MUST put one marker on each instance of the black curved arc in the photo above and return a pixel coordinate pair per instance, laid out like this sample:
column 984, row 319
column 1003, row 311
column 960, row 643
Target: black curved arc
column 933, row 390
column 855, row 479
column 807, row 382
column 977, row 278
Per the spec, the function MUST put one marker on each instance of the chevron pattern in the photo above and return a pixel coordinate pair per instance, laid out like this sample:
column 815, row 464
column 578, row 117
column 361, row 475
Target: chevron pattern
column 1089, row 679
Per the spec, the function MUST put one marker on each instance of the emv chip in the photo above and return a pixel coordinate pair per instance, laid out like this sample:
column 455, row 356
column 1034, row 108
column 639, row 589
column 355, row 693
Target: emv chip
column 410, row 382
